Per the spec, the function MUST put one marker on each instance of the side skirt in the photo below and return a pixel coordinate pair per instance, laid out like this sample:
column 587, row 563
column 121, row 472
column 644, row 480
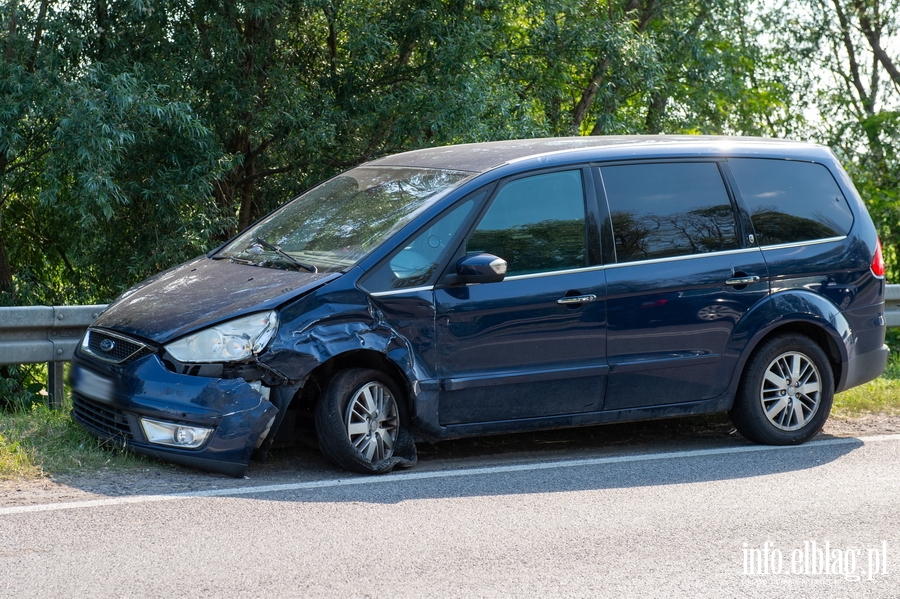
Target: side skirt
column 456, row 431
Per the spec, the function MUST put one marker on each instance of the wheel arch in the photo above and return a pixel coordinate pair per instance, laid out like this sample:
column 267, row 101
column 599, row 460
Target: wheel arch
column 357, row 358
column 799, row 312
column 819, row 334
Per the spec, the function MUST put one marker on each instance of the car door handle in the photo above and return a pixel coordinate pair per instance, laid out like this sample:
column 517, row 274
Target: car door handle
column 742, row 280
column 577, row 299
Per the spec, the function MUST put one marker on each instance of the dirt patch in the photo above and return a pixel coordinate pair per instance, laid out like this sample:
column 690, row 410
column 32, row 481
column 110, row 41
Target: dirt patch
column 862, row 426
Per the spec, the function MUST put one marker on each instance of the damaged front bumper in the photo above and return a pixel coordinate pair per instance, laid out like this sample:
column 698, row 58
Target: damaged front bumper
column 135, row 404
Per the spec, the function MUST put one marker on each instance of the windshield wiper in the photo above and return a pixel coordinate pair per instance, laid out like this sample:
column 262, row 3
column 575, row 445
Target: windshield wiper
column 285, row 255
column 233, row 259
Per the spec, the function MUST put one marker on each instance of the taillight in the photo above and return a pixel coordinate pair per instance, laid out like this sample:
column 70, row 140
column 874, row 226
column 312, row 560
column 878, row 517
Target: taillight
column 878, row 261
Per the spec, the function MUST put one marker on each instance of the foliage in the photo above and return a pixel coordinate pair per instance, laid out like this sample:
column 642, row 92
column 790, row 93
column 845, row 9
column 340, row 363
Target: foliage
column 135, row 134
column 21, row 386
column 138, row 134
column 89, row 156
column 893, row 342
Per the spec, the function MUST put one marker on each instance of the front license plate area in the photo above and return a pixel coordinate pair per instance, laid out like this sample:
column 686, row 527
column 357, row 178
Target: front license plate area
column 93, row 385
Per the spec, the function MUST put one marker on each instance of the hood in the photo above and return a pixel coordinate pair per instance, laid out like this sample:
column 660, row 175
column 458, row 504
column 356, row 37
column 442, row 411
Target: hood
column 203, row 292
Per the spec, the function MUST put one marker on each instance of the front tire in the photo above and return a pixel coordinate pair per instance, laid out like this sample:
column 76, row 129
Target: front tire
column 786, row 392
column 360, row 423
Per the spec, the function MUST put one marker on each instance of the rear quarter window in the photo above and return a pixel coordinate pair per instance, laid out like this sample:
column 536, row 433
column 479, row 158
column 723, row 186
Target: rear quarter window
column 791, row 201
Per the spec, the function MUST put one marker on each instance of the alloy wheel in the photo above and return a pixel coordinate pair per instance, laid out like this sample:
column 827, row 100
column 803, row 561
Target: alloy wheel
column 372, row 421
column 791, row 391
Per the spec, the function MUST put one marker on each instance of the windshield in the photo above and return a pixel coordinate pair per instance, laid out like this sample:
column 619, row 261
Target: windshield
column 332, row 226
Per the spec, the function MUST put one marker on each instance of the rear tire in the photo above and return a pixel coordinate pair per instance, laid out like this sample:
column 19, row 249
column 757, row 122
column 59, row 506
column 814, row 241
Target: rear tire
column 361, row 423
column 786, row 392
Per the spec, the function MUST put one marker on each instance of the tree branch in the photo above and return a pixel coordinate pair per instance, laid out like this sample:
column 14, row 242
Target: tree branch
column 10, row 41
column 587, row 97
column 642, row 14
column 648, row 11
column 39, row 31
column 873, row 36
column 874, row 81
column 21, row 164
column 864, row 97
column 264, row 173
column 22, row 181
column 262, row 147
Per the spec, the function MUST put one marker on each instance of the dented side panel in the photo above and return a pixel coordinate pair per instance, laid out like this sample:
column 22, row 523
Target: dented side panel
column 340, row 318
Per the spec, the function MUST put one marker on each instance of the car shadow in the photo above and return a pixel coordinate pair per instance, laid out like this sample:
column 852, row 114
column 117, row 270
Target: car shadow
column 644, row 464
column 612, row 456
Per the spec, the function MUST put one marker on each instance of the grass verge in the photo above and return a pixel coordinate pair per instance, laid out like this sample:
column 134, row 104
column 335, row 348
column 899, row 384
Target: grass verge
column 881, row 396
column 39, row 442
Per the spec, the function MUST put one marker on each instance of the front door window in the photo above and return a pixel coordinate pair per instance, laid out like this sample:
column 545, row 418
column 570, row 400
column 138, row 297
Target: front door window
column 536, row 224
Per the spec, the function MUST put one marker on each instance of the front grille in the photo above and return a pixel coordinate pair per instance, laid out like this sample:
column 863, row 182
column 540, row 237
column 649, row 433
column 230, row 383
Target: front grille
column 115, row 348
column 103, row 419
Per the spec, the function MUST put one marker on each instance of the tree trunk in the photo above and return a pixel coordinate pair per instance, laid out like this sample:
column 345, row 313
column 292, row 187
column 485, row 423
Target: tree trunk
column 656, row 112
column 587, row 97
column 6, row 282
column 868, row 101
column 245, row 192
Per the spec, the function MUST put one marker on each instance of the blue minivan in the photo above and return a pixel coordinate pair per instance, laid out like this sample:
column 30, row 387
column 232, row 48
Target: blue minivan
column 499, row 287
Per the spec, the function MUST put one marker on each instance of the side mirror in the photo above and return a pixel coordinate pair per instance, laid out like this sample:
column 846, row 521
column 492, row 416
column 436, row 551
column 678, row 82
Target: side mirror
column 480, row 268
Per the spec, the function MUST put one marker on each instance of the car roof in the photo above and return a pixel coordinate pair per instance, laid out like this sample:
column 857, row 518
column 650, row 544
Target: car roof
column 482, row 157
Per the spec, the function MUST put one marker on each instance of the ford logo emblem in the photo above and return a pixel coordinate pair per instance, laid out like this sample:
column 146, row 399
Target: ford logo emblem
column 107, row 345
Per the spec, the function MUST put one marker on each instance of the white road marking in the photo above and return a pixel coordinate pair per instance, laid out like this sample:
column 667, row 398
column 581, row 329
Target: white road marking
column 424, row 475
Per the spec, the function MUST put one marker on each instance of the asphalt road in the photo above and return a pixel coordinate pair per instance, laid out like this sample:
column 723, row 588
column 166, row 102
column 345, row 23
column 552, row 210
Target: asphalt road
column 721, row 519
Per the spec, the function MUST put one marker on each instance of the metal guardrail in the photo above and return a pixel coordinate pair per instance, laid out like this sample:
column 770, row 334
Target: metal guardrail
column 35, row 334
column 892, row 306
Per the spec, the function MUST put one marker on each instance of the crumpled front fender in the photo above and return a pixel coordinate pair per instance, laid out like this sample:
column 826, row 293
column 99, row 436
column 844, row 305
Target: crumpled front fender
column 321, row 327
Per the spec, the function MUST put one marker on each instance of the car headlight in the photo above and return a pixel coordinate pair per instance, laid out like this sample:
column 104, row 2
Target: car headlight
column 227, row 342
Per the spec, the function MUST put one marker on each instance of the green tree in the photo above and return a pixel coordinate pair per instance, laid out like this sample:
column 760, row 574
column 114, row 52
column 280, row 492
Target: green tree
column 851, row 81
column 642, row 66
column 102, row 174
column 135, row 134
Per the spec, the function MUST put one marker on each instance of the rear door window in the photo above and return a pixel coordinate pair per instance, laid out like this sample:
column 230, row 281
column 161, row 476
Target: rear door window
column 668, row 209
column 791, row 201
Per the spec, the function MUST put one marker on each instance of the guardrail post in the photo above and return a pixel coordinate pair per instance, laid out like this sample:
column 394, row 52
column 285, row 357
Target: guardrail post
column 56, row 390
